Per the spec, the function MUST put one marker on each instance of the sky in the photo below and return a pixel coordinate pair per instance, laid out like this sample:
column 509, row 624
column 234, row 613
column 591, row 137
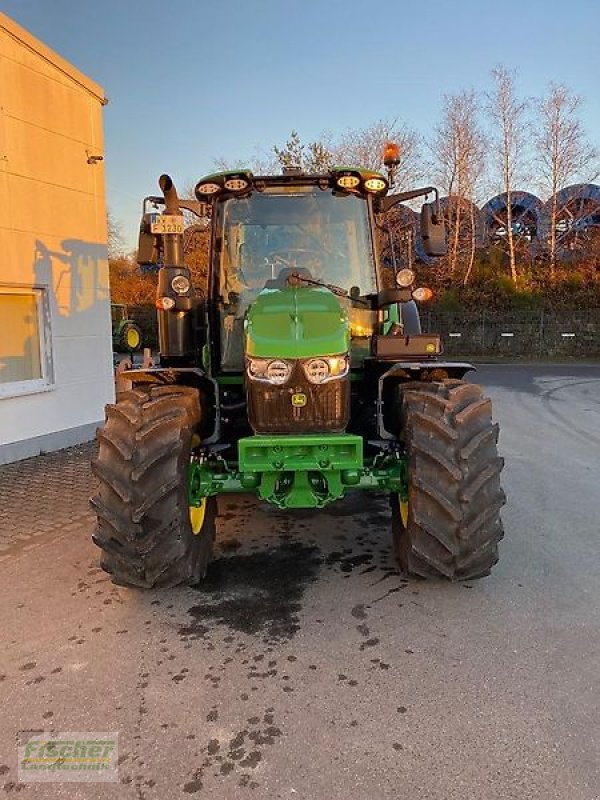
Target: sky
column 193, row 81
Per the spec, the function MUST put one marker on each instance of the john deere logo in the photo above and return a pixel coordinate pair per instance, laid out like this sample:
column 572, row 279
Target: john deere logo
column 298, row 400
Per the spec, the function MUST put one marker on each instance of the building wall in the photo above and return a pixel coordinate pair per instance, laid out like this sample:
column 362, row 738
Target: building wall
column 52, row 244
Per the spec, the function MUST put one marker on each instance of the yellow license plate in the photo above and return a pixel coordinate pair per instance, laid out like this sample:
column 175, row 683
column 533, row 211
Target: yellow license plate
column 166, row 223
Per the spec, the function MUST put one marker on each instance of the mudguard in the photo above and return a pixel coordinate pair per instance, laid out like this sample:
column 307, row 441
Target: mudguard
column 402, row 372
column 186, row 376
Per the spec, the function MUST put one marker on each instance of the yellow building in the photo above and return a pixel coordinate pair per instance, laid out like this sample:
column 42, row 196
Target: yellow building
column 55, row 330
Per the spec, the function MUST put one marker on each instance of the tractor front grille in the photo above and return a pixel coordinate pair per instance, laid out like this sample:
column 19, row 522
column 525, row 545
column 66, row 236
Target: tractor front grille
column 275, row 409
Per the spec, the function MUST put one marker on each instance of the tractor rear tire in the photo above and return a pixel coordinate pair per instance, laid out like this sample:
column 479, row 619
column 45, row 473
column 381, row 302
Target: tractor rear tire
column 130, row 339
column 451, row 527
column 142, row 508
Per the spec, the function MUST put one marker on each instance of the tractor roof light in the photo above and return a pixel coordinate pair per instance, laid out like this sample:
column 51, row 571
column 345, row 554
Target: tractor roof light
column 207, row 189
column 236, row 184
column 375, row 184
column 347, row 180
column 231, row 181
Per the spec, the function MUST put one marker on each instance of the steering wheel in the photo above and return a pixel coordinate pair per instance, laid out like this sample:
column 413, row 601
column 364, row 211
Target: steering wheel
column 285, row 257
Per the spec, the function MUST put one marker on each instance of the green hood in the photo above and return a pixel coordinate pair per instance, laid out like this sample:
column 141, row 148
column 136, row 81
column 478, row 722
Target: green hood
column 296, row 322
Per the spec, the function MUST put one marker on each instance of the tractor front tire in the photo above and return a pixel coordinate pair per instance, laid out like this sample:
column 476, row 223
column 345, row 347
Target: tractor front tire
column 450, row 527
column 148, row 534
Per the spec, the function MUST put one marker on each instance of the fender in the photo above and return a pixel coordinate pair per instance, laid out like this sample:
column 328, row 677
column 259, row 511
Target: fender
column 403, row 372
column 186, row 376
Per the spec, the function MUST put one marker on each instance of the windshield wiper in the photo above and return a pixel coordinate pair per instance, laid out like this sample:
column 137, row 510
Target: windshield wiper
column 295, row 276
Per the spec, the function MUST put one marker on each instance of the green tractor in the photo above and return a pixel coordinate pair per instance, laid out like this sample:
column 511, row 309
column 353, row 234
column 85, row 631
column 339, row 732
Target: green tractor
column 126, row 334
column 299, row 374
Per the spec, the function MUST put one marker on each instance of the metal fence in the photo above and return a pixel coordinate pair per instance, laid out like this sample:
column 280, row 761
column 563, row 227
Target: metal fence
column 519, row 334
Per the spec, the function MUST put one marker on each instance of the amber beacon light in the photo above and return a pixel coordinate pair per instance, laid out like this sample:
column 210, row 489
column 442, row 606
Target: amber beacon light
column 391, row 160
column 391, row 154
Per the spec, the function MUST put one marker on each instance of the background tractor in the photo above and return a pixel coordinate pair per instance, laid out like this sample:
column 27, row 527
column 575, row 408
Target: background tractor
column 126, row 334
column 299, row 374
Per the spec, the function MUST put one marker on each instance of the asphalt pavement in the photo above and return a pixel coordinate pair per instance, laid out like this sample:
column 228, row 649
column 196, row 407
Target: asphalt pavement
column 306, row 666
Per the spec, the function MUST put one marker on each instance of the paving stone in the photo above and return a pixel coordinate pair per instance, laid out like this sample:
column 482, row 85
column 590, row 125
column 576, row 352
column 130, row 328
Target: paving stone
column 46, row 494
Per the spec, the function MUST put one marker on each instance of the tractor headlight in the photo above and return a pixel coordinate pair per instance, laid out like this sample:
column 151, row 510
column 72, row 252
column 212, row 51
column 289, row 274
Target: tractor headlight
column 405, row 278
column 180, row 284
column 278, row 371
column 321, row 370
column 317, row 370
column 269, row 370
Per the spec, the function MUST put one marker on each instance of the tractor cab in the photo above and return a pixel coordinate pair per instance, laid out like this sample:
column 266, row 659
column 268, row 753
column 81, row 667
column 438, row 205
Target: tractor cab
column 271, row 233
column 288, row 239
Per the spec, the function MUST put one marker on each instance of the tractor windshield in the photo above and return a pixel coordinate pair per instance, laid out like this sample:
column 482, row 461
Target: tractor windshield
column 321, row 235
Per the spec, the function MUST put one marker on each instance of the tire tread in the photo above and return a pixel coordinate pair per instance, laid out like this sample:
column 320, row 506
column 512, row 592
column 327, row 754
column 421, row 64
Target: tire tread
column 455, row 496
column 141, row 507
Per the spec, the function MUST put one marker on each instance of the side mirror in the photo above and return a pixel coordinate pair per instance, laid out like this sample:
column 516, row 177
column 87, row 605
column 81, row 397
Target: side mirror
column 433, row 230
column 147, row 252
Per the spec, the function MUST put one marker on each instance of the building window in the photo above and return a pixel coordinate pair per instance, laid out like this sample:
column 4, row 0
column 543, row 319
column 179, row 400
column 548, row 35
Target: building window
column 25, row 354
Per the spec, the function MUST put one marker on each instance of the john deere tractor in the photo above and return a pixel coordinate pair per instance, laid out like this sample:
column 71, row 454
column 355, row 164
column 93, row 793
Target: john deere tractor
column 299, row 374
column 126, row 334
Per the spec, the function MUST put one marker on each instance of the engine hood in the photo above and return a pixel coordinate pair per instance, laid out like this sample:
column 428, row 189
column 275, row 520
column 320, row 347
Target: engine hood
column 296, row 322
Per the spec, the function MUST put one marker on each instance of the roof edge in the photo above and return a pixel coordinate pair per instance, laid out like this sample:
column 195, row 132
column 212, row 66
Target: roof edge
column 15, row 30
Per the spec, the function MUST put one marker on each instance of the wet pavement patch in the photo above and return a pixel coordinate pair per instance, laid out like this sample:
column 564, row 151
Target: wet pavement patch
column 238, row 757
column 347, row 560
column 255, row 593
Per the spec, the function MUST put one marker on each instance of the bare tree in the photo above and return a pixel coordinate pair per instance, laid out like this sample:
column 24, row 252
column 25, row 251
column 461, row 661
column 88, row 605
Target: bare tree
column 459, row 152
column 508, row 115
column 261, row 162
column 116, row 240
column 562, row 150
